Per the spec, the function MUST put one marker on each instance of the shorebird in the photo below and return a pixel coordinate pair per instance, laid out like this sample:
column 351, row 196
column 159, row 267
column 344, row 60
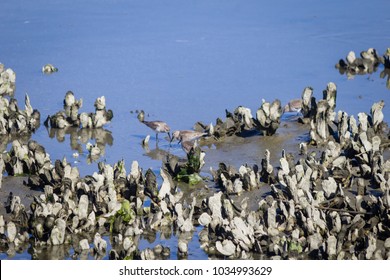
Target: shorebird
column 187, row 135
column 157, row 126
column 188, row 145
column 294, row 105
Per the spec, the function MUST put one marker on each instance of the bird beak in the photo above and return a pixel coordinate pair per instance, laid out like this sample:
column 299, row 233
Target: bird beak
column 170, row 138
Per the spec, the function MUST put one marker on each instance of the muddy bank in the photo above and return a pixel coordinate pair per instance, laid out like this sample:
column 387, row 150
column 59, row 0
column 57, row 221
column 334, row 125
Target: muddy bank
column 16, row 186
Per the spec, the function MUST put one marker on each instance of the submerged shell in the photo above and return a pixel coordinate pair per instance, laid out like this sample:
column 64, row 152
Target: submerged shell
column 226, row 247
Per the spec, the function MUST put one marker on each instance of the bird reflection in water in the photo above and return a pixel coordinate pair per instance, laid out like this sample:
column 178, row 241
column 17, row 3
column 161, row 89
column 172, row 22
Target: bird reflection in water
column 156, row 153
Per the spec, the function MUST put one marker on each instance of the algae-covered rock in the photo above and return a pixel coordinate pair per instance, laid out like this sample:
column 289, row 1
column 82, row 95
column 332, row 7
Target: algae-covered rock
column 125, row 214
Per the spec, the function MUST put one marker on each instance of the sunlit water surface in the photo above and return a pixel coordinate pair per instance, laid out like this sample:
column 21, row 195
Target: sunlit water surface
column 183, row 62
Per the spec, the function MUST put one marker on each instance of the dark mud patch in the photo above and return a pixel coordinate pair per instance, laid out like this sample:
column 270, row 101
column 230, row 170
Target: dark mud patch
column 16, row 186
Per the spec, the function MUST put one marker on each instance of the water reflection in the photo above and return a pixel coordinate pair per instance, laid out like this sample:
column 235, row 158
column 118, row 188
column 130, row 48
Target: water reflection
column 159, row 73
column 385, row 74
column 368, row 63
column 5, row 139
column 81, row 137
column 50, row 252
column 15, row 123
column 156, row 153
column 351, row 72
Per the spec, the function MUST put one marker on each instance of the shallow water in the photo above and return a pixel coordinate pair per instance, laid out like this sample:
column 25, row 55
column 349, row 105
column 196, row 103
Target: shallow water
column 183, row 62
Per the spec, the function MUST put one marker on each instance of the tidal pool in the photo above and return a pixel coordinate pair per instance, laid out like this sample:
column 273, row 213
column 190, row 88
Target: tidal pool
column 183, row 62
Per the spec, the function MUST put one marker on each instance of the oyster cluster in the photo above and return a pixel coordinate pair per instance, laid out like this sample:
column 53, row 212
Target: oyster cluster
column 311, row 210
column 80, row 125
column 30, row 158
column 70, row 116
column 14, row 121
column 330, row 201
column 367, row 63
column 328, row 205
column 78, row 211
column 7, row 81
column 241, row 121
